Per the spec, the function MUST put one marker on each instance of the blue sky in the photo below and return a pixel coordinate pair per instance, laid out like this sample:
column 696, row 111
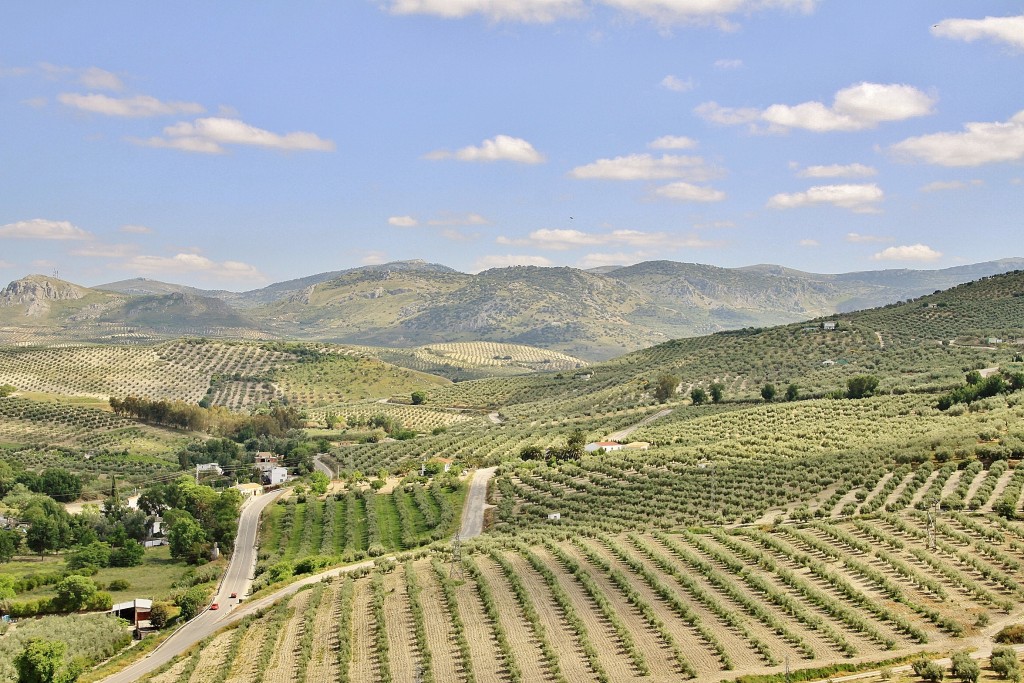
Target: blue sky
column 234, row 144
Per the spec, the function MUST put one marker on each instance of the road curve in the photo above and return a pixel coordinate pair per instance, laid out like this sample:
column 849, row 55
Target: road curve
column 473, row 510
column 236, row 580
column 320, row 466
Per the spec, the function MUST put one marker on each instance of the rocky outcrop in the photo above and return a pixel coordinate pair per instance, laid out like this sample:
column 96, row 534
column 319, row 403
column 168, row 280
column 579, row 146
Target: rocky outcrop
column 35, row 292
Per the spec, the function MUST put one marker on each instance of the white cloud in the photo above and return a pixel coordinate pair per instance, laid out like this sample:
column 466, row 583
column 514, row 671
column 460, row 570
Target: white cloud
column 857, row 238
column 714, row 12
column 43, row 229
column 209, row 135
column 403, row 221
column 98, row 79
column 561, row 239
column 981, row 143
column 456, row 235
column 106, row 250
column 686, row 192
column 726, row 64
column 857, row 198
column 6, row 264
column 1009, row 30
column 498, row 148
column 193, row 263
column 676, row 84
column 673, row 142
column 857, row 107
column 946, row 185
column 459, row 220
column 373, row 258
column 537, row 11
column 912, row 252
column 618, row 259
column 646, row 167
column 543, row 11
column 809, row 243
column 504, row 261
column 138, row 106
column 714, row 225
column 136, row 229
column 35, row 102
column 838, row 171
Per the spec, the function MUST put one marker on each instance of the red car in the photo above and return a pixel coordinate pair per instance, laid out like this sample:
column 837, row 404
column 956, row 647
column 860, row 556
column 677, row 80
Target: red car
column 234, row 595
column 215, row 605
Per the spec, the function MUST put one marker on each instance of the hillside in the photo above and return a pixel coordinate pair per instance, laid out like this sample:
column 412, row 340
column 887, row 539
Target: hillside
column 594, row 315
column 44, row 310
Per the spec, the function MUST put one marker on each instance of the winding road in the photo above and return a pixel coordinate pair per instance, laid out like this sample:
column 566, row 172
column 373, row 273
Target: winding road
column 236, row 580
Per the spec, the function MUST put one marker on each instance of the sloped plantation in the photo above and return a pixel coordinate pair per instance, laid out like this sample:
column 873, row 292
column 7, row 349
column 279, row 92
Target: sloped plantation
column 658, row 606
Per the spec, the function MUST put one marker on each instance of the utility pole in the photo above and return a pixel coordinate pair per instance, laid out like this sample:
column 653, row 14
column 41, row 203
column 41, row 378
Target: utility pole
column 456, row 571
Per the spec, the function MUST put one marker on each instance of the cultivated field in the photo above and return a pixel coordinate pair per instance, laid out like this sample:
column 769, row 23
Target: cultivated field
column 659, row 606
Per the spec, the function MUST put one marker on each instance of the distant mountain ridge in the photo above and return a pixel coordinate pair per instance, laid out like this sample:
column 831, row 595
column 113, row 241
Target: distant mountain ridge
column 591, row 314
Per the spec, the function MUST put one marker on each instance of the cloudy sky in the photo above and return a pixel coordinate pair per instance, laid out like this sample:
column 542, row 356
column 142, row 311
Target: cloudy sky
column 234, row 144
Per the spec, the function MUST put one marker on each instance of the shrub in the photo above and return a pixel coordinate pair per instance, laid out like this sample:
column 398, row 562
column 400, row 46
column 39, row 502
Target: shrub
column 965, row 668
column 1011, row 635
column 928, row 670
column 119, row 585
column 1004, row 662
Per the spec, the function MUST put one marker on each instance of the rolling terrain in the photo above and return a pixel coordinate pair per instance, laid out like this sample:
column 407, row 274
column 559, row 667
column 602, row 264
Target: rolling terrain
column 592, row 315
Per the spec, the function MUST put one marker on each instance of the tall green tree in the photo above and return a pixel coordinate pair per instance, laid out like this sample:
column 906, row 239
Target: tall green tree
column 698, row 396
column 665, row 387
column 717, row 391
column 861, row 386
column 43, row 661
column 768, row 392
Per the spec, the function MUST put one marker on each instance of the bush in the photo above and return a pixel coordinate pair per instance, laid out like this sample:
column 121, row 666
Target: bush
column 129, row 555
column 1005, row 663
column 1011, row 635
column 160, row 614
column 192, row 602
column 119, row 585
column 965, row 668
column 928, row 670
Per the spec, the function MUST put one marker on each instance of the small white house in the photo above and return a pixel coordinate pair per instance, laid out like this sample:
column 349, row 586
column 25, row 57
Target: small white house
column 249, row 490
column 275, row 476
column 608, row 446
column 554, row 516
column 829, row 325
column 828, row 362
column 994, row 340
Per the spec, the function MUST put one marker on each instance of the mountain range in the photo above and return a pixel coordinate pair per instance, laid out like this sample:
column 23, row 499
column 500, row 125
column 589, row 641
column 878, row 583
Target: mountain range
column 593, row 314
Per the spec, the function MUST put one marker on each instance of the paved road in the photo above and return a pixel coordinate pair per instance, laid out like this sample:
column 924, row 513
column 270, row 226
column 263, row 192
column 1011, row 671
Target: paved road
column 321, row 467
column 473, row 510
column 236, row 580
column 623, row 434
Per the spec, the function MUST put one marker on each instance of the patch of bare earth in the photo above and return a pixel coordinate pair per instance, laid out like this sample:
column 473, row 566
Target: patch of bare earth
column 323, row 662
column 440, row 634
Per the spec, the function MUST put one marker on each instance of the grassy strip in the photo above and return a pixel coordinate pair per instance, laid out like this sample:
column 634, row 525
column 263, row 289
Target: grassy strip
column 565, row 605
column 682, row 610
column 634, row 598
column 306, row 641
column 515, row 674
column 526, row 604
column 345, row 598
column 603, row 605
column 419, row 622
column 458, row 627
column 278, row 617
column 769, row 590
column 380, row 632
column 726, row 614
column 828, row 672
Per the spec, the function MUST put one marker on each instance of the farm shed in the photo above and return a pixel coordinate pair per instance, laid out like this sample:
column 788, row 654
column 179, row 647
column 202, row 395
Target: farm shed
column 134, row 611
column 829, row 325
